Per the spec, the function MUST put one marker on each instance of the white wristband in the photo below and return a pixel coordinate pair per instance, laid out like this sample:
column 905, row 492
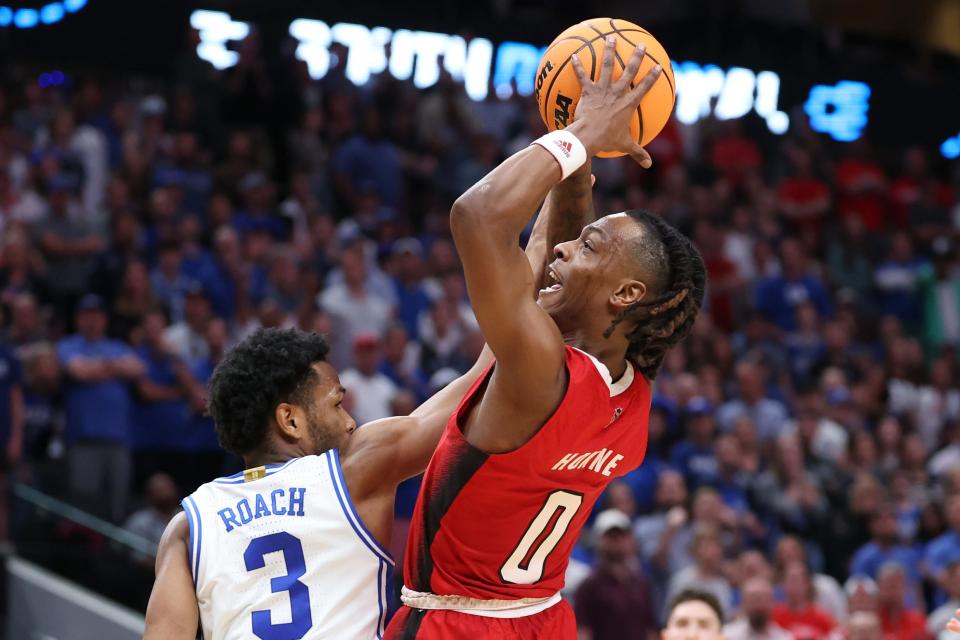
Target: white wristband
column 566, row 149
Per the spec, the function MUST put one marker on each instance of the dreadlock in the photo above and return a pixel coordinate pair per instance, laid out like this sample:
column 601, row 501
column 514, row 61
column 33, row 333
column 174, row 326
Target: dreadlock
column 679, row 278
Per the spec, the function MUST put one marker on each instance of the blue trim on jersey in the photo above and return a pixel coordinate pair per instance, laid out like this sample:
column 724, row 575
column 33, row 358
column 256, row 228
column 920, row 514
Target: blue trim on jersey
column 237, row 478
column 382, row 598
column 196, row 530
column 340, row 486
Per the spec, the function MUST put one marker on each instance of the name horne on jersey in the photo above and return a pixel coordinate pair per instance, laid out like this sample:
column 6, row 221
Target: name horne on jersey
column 599, row 461
column 280, row 502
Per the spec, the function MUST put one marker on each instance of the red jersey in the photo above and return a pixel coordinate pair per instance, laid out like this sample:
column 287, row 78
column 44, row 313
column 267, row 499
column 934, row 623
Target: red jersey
column 502, row 526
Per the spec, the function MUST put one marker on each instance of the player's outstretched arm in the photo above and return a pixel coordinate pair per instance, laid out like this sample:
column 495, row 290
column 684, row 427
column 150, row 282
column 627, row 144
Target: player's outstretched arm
column 398, row 448
column 172, row 613
column 529, row 381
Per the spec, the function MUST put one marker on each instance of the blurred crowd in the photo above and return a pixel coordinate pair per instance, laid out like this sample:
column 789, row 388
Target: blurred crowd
column 804, row 456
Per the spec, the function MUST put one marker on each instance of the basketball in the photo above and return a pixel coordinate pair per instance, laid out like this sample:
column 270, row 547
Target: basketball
column 558, row 90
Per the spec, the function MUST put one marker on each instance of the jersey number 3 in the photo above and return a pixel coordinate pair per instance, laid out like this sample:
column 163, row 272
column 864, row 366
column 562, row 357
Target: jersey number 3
column 525, row 564
column 300, row 620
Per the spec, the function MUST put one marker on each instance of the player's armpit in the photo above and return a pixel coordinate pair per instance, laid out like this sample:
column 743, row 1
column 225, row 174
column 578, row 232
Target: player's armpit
column 172, row 613
column 486, row 222
column 394, row 449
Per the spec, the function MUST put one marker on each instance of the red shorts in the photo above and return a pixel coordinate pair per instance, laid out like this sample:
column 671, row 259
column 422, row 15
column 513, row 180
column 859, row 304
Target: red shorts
column 555, row 623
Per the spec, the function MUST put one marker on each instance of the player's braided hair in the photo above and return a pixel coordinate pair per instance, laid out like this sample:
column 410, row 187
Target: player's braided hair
column 678, row 284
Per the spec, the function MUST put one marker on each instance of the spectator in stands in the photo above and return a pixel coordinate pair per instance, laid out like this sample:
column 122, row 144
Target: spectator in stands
column 169, row 282
column 897, row 280
column 864, row 625
column 163, row 502
column 862, row 184
column 694, row 456
column 187, row 338
column 134, row 300
column 707, row 571
column 664, row 536
column 28, row 325
column 943, row 549
column 99, row 371
column 788, row 493
column 899, row 621
column 777, row 297
column 160, row 427
column 370, row 391
column 827, row 593
column 884, row 547
column 937, row 621
column 43, row 408
column 614, row 601
column 69, row 243
column 401, row 361
column 799, row 614
column 694, row 615
column 412, row 297
column 756, row 621
column 769, row 415
column 11, row 424
column 940, row 298
column 353, row 308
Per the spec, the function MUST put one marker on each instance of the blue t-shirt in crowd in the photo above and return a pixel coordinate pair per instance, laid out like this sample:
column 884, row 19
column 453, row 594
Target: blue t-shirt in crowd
column 698, row 464
column 9, row 379
column 201, row 434
column 222, row 290
column 643, row 482
column 159, row 425
column 411, row 302
column 96, row 410
column 777, row 299
column 898, row 285
column 870, row 557
column 245, row 223
column 941, row 551
column 374, row 162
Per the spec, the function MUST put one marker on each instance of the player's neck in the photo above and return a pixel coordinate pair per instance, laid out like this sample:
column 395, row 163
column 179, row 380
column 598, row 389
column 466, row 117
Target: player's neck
column 271, row 456
column 612, row 351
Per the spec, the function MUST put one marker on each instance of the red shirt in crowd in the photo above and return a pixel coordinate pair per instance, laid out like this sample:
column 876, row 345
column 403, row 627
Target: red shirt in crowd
column 809, row 623
column 907, row 191
column 734, row 156
column 869, row 204
column 906, row 625
column 801, row 191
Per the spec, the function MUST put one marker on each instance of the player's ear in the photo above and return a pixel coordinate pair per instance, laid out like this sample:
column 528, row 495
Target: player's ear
column 628, row 293
column 288, row 420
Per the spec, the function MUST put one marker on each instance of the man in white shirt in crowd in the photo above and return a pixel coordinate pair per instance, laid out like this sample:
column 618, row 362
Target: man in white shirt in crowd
column 369, row 392
column 755, row 621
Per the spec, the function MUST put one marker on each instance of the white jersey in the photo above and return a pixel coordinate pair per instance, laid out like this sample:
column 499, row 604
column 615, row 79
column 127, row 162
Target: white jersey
column 279, row 553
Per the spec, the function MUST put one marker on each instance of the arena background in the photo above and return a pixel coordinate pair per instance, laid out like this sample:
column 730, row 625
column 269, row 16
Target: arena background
column 812, row 158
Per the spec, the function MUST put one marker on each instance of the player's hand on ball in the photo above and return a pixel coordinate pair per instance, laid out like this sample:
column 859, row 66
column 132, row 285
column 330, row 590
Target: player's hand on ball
column 605, row 108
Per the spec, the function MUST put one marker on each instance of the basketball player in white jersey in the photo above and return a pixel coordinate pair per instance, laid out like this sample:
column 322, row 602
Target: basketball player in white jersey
column 293, row 547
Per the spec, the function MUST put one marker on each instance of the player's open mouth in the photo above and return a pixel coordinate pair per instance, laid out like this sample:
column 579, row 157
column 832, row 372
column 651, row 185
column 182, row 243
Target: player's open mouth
column 553, row 282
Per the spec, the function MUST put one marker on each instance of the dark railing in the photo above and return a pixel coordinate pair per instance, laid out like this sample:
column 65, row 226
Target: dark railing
column 82, row 547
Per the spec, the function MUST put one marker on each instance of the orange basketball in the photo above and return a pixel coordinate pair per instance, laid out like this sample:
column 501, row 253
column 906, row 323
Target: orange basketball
column 558, row 89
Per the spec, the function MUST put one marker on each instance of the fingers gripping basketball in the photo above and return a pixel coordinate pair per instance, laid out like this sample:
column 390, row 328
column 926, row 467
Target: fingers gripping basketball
column 558, row 90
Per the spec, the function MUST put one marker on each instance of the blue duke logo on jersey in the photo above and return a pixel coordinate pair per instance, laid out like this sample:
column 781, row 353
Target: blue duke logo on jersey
column 279, row 502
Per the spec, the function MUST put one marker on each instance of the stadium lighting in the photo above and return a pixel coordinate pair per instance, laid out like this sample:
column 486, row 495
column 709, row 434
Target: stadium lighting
column 30, row 17
column 951, row 148
column 702, row 90
column 840, row 110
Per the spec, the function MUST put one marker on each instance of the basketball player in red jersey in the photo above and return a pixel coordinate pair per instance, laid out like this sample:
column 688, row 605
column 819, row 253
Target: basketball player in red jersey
column 563, row 410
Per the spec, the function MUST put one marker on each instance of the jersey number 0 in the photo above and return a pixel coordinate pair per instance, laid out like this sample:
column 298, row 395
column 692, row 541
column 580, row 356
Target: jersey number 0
column 525, row 564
